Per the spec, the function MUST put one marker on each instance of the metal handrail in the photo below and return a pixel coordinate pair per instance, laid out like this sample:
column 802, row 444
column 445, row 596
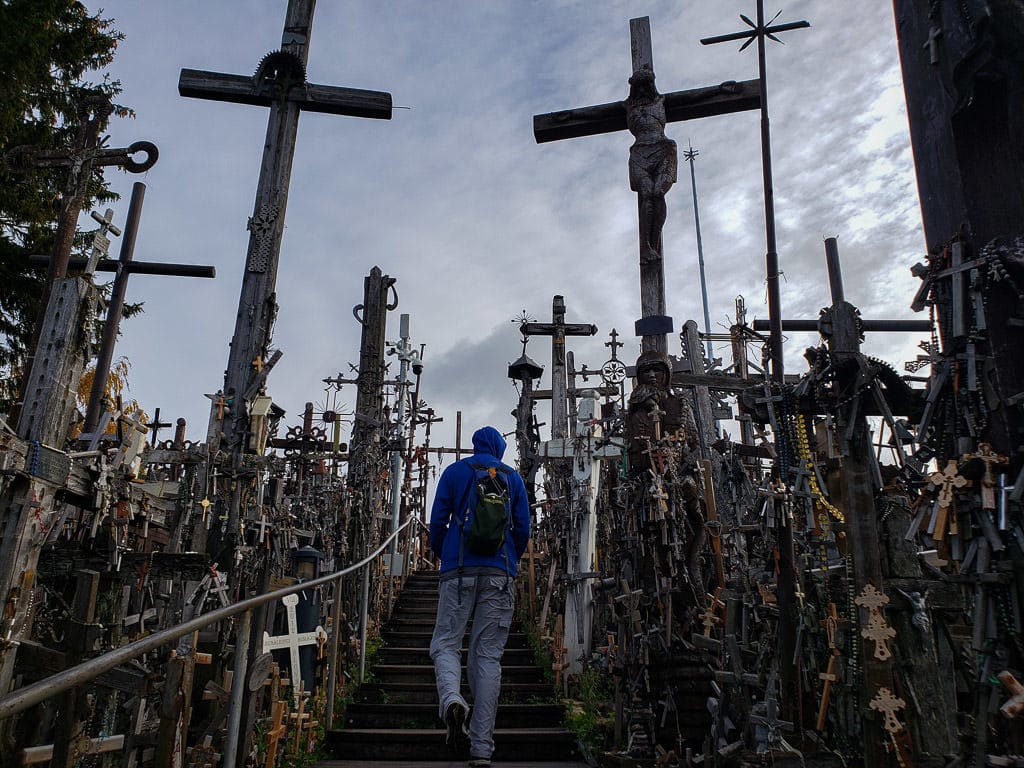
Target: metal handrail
column 30, row 695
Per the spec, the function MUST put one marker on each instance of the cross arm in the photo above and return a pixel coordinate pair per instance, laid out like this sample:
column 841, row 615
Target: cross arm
column 901, row 326
column 134, row 267
column 549, row 329
column 730, row 96
column 329, row 99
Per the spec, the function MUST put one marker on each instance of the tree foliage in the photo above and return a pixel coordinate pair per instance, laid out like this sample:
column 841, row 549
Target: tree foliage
column 49, row 50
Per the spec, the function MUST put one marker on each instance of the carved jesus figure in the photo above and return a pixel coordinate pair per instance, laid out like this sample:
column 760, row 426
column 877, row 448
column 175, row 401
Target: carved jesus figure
column 652, row 159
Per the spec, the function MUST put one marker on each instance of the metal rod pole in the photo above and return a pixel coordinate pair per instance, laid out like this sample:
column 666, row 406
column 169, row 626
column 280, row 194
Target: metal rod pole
column 771, row 254
column 403, row 349
column 237, row 689
column 690, row 154
column 332, row 679
column 364, row 612
column 835, row 273
column 113, row 321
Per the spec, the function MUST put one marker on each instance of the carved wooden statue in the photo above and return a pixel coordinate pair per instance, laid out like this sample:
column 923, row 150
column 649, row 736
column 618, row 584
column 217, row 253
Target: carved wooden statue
column 652, row 159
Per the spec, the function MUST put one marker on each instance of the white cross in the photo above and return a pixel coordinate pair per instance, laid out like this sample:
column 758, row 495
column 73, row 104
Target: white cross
column 293, row 640
column 586, row 476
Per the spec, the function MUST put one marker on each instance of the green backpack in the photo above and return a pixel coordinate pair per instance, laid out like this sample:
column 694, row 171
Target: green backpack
column 489, row 517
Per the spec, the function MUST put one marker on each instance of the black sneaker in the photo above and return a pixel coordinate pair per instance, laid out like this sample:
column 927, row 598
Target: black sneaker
column 455, row 721
column 479, row 762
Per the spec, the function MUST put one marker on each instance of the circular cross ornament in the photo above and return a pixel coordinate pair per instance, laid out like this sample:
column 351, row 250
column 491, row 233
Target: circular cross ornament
column 613, row 372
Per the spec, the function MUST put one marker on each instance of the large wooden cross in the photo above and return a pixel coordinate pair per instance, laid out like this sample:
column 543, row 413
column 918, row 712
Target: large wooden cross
column 280, row 84
column 654, row 325
column 558, row 329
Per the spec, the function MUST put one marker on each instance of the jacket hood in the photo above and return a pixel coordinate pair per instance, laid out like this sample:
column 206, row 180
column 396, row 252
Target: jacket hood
column 489, row 440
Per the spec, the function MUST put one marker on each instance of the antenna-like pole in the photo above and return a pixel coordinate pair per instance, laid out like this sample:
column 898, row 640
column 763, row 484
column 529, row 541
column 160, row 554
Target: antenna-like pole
column 690, row 154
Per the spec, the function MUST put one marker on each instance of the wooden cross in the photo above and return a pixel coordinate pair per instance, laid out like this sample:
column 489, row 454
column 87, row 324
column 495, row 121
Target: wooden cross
column 631, row 599
column 880, row 633
column 828, row 677
column 220, row 403
column 653, row 163
column 87, row 153
column 888, row 704
column 280, row 84
column 831, row 624
column 1015, row 704
column 292, row 639
column 947, row 481
column 203, row 755
column 100, row 241
column 558, row 329
column 872, row 599
column 710, row 617
column 276, row 732
column 990, row 459
column 558, row 652
column 299, row 717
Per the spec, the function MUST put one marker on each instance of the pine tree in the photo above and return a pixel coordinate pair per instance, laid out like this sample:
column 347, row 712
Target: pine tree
column 48, row 51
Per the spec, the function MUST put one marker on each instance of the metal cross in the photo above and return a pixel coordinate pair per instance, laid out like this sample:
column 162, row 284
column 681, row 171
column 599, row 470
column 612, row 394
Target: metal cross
column 759, row 32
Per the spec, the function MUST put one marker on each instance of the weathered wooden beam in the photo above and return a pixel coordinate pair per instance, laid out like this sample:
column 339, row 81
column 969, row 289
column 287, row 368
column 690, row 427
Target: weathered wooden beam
column 39, row 658
column 328, row 99
column 811, row 326
column 730, row 96
column 134, row 267
column 33, row 755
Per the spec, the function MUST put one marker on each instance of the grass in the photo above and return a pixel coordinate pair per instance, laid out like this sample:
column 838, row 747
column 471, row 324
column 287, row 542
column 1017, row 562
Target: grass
column 590, row 716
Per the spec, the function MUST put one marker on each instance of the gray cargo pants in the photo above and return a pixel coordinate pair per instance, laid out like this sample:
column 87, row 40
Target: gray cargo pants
column 489, row 601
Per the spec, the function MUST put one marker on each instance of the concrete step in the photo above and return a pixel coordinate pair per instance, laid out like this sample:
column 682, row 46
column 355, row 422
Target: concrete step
column 420, row 638
column 426, row 693
column 424, row 715
column 398, row 655
column 419, row 673
column 518, row 744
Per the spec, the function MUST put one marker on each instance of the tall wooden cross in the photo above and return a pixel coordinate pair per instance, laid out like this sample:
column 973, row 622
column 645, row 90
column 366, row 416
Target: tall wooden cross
column 652, row 158
column 558, row 329
column 86, row 154
column 280, row 84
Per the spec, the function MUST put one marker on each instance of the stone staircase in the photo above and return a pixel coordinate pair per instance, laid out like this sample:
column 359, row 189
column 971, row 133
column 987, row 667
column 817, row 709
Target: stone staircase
column 394, row 715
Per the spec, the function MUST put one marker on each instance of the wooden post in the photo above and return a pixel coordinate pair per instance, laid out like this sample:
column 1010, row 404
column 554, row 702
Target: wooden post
column 70, row 726
column 365, row 445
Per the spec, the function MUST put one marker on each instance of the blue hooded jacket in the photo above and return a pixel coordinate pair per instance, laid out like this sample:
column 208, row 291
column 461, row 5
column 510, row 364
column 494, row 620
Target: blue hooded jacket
column 454, row 494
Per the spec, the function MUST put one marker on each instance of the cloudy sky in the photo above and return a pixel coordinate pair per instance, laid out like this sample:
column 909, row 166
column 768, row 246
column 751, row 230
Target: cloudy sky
column 477, row 222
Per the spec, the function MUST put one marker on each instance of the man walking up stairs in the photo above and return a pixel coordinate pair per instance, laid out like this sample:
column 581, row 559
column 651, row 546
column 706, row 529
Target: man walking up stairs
column 393, row 721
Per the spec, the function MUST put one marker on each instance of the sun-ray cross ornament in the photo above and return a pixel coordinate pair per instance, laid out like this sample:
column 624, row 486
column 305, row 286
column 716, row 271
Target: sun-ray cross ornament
column 759, row 32
column 293, row 639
